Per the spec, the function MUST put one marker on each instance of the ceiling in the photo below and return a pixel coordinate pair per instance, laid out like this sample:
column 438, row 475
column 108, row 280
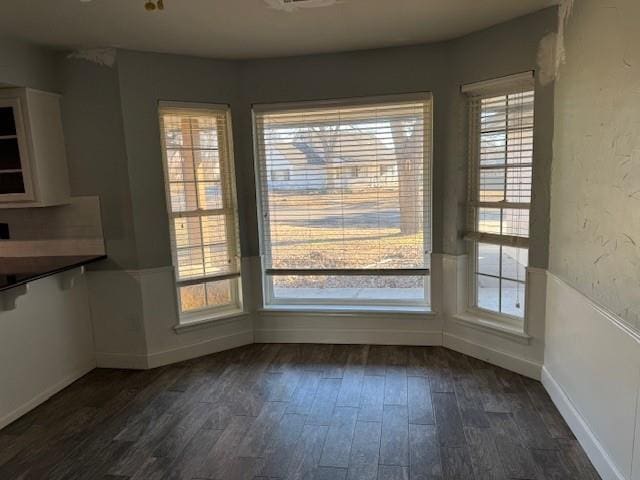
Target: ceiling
column 252, row 28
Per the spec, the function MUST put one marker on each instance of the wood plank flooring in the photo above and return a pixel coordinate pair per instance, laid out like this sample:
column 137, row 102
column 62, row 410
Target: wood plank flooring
column 320, row 412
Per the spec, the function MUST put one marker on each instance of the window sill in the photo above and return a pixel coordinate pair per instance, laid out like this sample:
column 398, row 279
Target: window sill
column 347, row 310
column 493, row 326
column 219, row 318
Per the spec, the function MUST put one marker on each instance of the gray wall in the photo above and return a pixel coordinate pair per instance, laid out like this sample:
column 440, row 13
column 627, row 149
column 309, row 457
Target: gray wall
column 595, row 187
column 26, row 65
column 144, row 79
column 96, row 154
column 113, row 138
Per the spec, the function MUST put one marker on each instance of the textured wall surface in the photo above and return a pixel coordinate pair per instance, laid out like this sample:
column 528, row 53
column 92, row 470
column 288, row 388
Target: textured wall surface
column 595, row 190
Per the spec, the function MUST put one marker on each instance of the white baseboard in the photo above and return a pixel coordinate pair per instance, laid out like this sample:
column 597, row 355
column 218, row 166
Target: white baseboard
column 44, row 396
column 213, row 345
column 505, row 360
column 128, row 361
column 179, row 354
column 354, row 336
column 592, row 447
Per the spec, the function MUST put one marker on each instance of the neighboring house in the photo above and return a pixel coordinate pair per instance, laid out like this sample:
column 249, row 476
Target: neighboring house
column 298, row 165
column 290, row 169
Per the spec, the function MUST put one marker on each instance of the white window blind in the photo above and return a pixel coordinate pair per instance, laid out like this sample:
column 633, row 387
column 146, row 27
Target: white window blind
column 346, row 198
column 500, row 187
column 198, row 168
column 501, row 173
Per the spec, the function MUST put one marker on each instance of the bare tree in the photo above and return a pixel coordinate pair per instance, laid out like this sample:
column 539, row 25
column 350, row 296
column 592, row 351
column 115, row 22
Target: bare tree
column 319, row 144
column 403, row 133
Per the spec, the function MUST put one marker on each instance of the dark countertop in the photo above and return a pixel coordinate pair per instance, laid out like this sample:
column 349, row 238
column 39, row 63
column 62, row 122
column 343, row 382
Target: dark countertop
column 16, row 271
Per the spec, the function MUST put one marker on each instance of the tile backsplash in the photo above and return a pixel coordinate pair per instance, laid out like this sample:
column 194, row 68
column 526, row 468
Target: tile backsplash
column 80, row 219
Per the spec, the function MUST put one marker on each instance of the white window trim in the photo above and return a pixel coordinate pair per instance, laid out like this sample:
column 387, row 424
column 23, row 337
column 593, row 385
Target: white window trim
column 501, row 85
column 510, row 325
column 221, row 319
column 203, row 316
column 489, row 323
column 269, row 301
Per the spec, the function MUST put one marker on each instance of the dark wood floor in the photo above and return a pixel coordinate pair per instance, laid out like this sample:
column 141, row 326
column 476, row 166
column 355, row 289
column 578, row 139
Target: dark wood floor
column 299, row 412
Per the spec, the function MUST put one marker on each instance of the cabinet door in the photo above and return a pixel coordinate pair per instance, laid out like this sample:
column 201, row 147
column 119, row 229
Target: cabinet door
column 15, row 180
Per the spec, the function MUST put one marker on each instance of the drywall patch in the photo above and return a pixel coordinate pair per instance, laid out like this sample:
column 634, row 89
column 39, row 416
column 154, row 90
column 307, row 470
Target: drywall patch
column 293, row 5
column 564, row 12
column 547, row 52
column 551, row 51
column 105, row 57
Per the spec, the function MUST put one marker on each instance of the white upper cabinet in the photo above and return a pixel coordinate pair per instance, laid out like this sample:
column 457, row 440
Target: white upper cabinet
column 33, row 164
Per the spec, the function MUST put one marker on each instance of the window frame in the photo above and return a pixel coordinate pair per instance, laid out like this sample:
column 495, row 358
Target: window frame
column 268, row 298
column 513, row 84
column 229, row 209
column 472, row 299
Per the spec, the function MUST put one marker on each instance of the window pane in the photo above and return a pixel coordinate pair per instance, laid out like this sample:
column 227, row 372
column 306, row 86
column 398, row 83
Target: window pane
column 192, row 297
column 190, row 262
column 176, row 131
column 506, row 135
column 205, row 132
column 488, row 293
column 492, row 146
column 493, row 114
column 492, row 185
column 488, row 261
column 208, row 294
column 187, row 232
column 515, row 221
column 519, row 184
column 489, row 220
column 210, row 195
column 183, row 197
column 214, row 230
column 520, row 147
column 350, row 288
column 343, row 230
column 208, row 165
column 180, row 165
column 216, row 259
column 514, row 263
column 219, row 293
column 513, row 296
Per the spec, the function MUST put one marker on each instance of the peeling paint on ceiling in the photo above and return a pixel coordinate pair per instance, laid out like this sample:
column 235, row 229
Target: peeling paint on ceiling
column 101, row 56
column 293, row 5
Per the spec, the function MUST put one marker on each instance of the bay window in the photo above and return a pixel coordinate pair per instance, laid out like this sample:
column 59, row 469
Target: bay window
column 350, row 224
